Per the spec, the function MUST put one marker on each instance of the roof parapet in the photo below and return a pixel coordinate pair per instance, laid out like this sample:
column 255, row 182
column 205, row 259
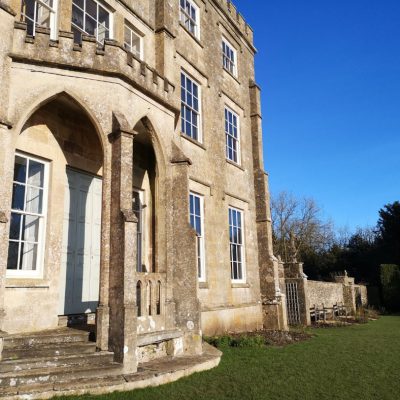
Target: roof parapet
column 234, row 15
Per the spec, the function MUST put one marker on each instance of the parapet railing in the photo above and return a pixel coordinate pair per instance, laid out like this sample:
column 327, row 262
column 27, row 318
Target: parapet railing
column 111, row 59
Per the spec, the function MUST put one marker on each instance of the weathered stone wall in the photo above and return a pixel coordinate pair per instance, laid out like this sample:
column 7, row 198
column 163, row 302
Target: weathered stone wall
column 361, row 293
column 326, row 293
column 104, row 82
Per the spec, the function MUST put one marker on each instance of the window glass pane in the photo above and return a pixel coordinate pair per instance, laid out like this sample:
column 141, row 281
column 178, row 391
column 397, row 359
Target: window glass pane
column 79, row 3
column 28, row 8
column 90, row 25
column 28, row 256
column 20, row 169
column 91, row 8
column 77, row 35
column 43, row 16
column 18, row 197
column 102, row 33
column 34, row 200
column 36, row 173
column 15, row 226
column 30, row 229
column 104, row 17
column 12, row 260
column 127, row 36
column 135, row 42
column 77, row 19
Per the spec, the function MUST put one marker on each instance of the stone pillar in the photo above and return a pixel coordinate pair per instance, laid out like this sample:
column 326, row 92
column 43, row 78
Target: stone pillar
column 166, row 30
column 122, row 273
column 272, row 299
column 294, row 273
column 7, row 16
column 349, row 293
column 65, row 14
column 184, row 260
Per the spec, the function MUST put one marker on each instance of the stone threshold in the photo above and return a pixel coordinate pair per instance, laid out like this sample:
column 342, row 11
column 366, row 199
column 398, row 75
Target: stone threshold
column 154, row 373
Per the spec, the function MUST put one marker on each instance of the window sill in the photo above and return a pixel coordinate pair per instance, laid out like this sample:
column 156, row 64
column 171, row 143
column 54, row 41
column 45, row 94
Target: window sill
column 196, row 142
column 235, row 165
column 26, row 283
column 203, row 285
column 197, row 40
column 238, row 285
column 231, row 75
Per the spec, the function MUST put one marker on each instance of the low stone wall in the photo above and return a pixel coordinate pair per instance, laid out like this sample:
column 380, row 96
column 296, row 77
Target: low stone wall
column 326, row 293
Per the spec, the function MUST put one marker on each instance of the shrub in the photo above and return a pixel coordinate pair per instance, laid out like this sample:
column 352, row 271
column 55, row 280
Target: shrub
column 390, row 281
column 236, row 341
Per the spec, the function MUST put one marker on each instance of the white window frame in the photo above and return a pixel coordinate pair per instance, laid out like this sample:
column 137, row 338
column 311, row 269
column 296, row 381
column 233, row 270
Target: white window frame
column 200, row 244
column 242, row 246
column 184, row 17
column 110, row 13
column 227, row 134
column 53, row 16
column 38, row 273
column 140, row 229
column 226, row 58
column 198, row 112
column 128, row 46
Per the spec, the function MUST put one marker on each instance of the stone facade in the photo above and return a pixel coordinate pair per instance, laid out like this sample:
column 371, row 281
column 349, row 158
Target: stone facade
column 102, row 114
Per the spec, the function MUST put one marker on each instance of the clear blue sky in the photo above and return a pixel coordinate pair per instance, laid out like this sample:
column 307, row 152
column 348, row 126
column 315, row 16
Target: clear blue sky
column 330, row 75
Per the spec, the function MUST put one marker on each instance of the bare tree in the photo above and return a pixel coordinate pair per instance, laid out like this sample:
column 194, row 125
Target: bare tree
column 297, row 226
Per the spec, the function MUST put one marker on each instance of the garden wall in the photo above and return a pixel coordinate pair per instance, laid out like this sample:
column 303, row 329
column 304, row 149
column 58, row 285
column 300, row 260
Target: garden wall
column 326, row 293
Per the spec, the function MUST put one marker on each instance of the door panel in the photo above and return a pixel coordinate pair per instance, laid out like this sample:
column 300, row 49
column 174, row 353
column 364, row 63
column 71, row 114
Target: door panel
column 80, row 270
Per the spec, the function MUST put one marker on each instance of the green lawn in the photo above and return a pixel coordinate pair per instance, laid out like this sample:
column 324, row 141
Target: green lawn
column 357, row 362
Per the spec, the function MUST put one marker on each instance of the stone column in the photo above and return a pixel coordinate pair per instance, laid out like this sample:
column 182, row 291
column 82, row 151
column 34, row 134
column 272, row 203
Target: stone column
column 6, row 176
column 184, row 260
column 272, row 299
column 122, row 274
column 7, row 16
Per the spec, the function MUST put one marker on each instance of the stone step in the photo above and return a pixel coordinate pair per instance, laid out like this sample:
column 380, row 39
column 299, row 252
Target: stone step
column 52, row 350
column 47, row 376
column 56, row 336
column 29, row 364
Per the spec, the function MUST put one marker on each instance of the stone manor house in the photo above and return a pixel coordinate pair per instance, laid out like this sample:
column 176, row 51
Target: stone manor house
column 132, row 183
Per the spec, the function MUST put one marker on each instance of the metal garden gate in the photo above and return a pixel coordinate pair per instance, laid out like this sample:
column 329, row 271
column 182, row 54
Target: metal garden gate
column 292, row 303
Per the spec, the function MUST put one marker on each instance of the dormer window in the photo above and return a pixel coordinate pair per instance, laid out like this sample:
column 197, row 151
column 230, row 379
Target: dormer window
column 41, row 13
column 133, row 42
column 189, row 17
column 91, row 18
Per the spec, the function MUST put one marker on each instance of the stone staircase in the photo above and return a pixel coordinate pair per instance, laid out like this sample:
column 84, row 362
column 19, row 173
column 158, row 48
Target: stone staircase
column 53, row 360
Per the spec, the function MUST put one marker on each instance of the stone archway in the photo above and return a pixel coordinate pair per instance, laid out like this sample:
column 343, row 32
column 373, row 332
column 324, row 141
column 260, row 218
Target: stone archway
column 56, row 211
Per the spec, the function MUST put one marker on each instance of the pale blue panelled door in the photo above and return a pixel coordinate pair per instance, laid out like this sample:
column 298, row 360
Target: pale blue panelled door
column 80, row 267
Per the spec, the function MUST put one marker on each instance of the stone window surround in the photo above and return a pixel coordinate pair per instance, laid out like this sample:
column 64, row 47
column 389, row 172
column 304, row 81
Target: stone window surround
column 196, row 21
column 38, row 273
column 243, row 280
column 202, row 276
column 234, row 62
column 108, row 9
column 134, row 31
column 53, row 11
column 237, row 140
column 200, row 138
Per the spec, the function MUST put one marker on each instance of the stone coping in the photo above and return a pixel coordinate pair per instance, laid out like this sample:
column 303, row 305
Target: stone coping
column 157, row 337
column 153, row 373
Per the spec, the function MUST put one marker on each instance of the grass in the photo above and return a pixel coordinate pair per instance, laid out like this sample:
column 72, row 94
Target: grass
column 356, row 362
